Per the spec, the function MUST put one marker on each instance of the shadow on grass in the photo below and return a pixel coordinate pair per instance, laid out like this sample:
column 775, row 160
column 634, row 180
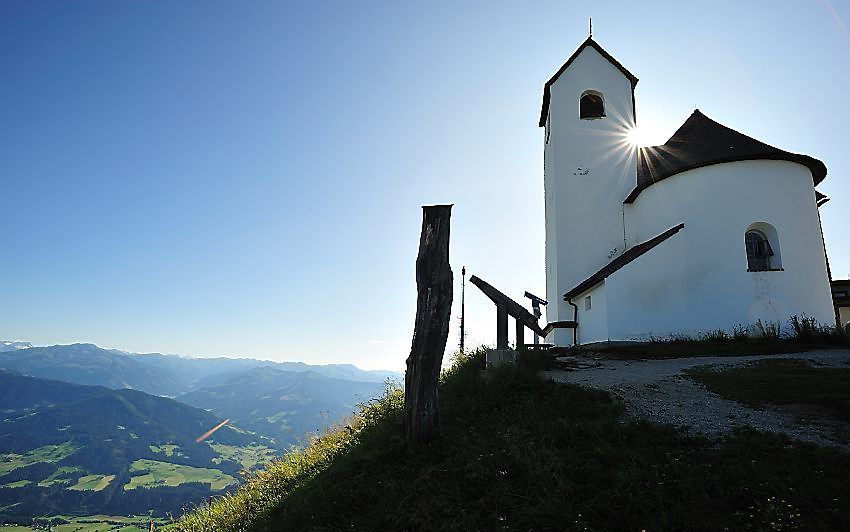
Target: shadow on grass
column 780, row 382
column 518, row 453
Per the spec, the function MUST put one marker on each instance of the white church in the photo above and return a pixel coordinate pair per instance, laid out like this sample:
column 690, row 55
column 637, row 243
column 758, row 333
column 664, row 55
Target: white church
column 711, row 230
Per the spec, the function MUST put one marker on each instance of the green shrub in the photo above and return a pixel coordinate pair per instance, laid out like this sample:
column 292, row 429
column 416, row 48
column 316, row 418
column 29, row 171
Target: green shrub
column 767, row 331
column 804, row 328
column 717, row 335
column 740, row 333
column 807, row 330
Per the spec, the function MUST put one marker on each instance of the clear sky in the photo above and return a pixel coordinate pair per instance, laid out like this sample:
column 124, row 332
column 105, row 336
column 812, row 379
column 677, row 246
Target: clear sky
column 245, row 178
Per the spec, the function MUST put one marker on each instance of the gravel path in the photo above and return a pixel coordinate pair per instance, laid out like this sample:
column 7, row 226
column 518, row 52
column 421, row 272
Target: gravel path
column 657, row 390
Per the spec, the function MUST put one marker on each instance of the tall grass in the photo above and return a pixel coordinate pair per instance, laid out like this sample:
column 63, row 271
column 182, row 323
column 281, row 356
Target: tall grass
column 806, row 329
column 269, row 487
column 760, row 338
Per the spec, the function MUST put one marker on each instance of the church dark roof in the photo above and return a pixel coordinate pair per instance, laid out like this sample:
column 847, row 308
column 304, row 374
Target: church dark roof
column 593, row 44
column 701, row 141
column 628, row 256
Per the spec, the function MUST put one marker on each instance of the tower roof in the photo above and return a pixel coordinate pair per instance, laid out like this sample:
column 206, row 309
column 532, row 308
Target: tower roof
column 589, row 42
column 701, row 141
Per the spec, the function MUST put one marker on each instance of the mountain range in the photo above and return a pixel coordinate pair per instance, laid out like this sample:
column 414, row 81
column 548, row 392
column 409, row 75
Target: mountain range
column 154, row 373
column 6, row 345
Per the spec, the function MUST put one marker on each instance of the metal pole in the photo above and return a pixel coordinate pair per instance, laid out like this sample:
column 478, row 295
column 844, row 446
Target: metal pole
column 462, row 304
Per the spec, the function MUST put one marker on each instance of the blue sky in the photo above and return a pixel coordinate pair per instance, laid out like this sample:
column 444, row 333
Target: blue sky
column 245, row 178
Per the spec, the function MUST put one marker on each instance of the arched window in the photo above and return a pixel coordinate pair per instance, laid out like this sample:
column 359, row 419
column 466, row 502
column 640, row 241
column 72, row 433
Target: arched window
column 759, row 251
column 591, row 105
column 762, row 244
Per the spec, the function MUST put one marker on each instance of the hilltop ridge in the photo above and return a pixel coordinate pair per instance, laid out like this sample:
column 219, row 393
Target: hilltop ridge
column 519, row 453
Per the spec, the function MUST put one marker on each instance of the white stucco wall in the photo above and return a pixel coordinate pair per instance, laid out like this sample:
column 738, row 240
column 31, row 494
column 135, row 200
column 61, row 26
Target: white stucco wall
column 651, row 296
column 584, row 207
column 594, row 322
column 844, row 315
column 561, row 336
column 698, row 279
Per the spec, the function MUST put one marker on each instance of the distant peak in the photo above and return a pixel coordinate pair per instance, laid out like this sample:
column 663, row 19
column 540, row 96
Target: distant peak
column 13, row 345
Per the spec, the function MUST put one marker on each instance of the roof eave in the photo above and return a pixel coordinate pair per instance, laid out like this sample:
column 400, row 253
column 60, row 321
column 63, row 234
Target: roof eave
column 816, row 167
column 620, row 262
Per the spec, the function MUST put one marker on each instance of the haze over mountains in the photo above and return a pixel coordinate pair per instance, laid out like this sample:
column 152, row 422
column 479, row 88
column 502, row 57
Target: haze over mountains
column 155, row 373
column 282, row 404
column 87, row 430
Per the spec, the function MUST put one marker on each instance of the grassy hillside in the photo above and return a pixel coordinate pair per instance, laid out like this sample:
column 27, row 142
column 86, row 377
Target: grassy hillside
column 520, row 454
column 21, row 395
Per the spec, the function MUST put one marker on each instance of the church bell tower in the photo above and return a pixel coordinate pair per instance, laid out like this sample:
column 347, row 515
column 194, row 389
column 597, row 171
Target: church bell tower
column 589, row 168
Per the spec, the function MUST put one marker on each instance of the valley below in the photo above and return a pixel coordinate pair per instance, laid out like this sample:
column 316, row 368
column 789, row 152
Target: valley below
column 73, row 452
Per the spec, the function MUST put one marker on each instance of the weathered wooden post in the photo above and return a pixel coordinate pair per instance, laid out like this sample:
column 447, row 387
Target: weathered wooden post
column 501, row 327
column 431, row 329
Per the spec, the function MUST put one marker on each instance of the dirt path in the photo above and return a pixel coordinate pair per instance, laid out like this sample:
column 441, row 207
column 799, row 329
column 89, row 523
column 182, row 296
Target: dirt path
column 657, row 390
